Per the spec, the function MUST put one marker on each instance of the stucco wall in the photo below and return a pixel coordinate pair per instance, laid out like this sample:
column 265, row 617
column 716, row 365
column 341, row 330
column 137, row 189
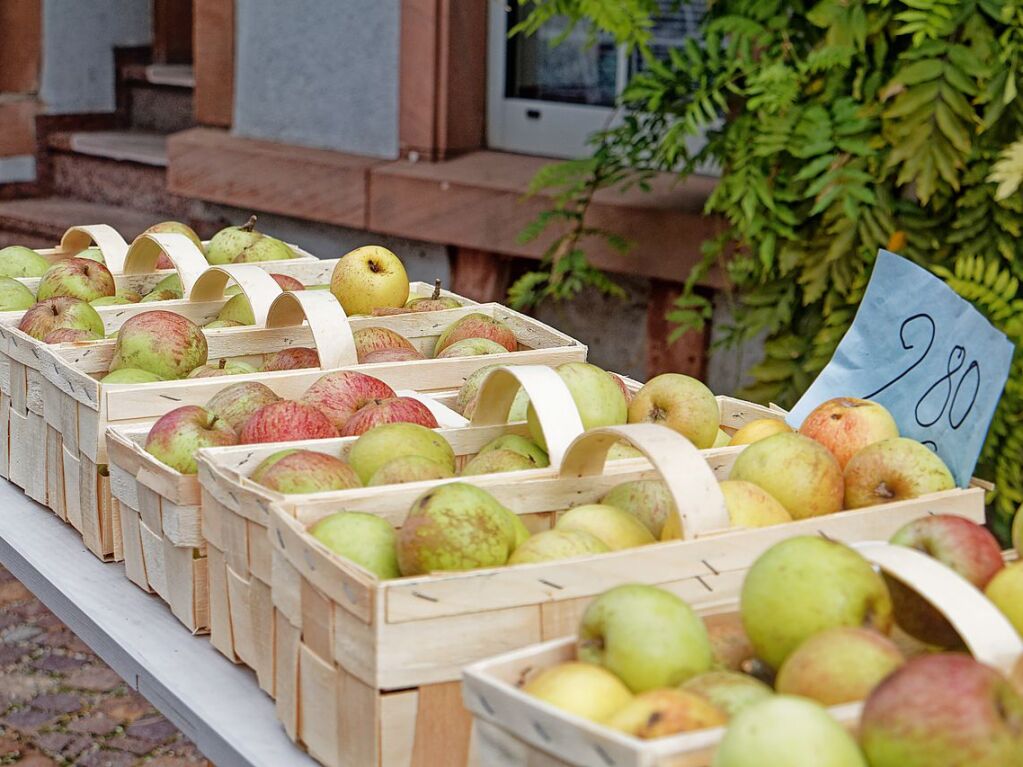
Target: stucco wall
column 78, row 50
column 322, row 73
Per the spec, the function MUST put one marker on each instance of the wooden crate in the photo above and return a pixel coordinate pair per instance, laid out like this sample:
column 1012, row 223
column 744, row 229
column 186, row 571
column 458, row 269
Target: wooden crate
column 384, row 655
column 517, row 730
column 87, row 407
column 236, row 510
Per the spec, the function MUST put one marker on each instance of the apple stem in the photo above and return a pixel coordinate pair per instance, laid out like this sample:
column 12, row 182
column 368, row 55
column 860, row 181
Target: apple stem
column 249, row 225
column 436, row 290
column 223, row 363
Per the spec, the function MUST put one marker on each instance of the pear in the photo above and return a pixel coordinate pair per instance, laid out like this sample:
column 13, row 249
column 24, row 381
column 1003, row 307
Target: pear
column 244, row 245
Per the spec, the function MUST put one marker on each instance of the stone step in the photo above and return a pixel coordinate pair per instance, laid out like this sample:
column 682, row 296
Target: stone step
column 171, row 75
column 157, row 97
column 143, row 147
column 39, row 222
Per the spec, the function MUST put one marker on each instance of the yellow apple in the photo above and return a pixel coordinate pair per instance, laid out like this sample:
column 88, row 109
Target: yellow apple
column 759, row 429
column 658, row 713
column 750, row 505
column 1006, row 591
column 582, row 689
column 616, row 528
column 368, row 278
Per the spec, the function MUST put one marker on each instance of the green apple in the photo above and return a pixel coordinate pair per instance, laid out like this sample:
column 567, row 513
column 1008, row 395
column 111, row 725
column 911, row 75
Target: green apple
column 681, row 403
column 1006, row 591
column 244, row 244
column 722, row 439
column 730, row 691
column 551, row 545
column 647, row 636
column 648, row 500
column 659, row 713
column 581, row 689
column 468, row 396
column 78, row 278
column 455, row 527
column 839, row 665
column 161, row 295
column 386, row 442
column 304, row 471
column 19, row 261
column 476, row 327
column 215, row 324
column 92, row 254
column 175, row 227
column 44, row 317
column 805, row 585
column 368, row 278
column 170, row 282
column 597, row 397
column 14, row 296
column 616, row 528
column 761, row 428
column 797, row 471
column 129, row 376
column 237, row 309
column 786, row 731
column 522, row 446
column 1017, row 533
column 497, row 462
column 471, row 347
column 750, row 505
column 367, row 540
column 111, row 301
column 223, row 367
column 161, row 342
column 409, row 468
column 894, row 470
column 621, row 451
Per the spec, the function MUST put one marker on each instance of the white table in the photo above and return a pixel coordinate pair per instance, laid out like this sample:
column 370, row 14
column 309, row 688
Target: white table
column 215, row 703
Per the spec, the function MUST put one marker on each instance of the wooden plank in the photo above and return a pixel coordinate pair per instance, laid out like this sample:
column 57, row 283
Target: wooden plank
column 172, row 32
column 21, row 42
column 318, row 707
column 688, row 354
column 311, row 184
column 441, row 710
column 417, row 95
column 17, row 120
column 398, row 714
column 214, row 62
column 481, row 275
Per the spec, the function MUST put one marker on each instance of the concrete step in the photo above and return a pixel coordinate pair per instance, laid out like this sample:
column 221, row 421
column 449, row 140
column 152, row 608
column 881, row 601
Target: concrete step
column 170, row 75
column 143, row 147
column 39, row 222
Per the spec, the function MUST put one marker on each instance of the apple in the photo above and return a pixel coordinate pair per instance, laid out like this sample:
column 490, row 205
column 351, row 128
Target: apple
column 243, row 244
column 19, row 261
column 71, row 335
column 597, row 398
column 291, row 359
column 956, row 542
column 522, row 446
column 131, row 376
column 894, row 470
column 471, row 347
column 550, row 545
column 409, row 468
column 172, row 282
column 786, row 731
column 164, row 343
column 61, row 312
column 161, row 295
column 285, row 421
column 391, row 355
column 287, row 282
column 647, row 636
column 1017, row 533
column 839, row 665
column 217, row 324
column 621, row 451
column 944, row 709
column 476, row 325
column 496, row 462
column 175, row 437
column 78, row 278
column 1006, row 591
column 174, row 227
column 659, row 713
column 390, row 410
column 730, row 691
column 616, row 528
column 728, row 640
column 581, row 689
column 648, row 500
column 750, row 505
column 382, row 444
column 367, row 278
column 93, row 254
column 14, row 296
column 681, row 403
column 237, row 402
column 341, row 394
column 846, row 425
column 722, row 439
column 367, row 540
column 761, row 428
column 468, row 396
column 455, row 527
column 304, row 471
column 237, row 309
column 112, row 301
column 224, row 367
column 805, row 585
column 370, row 340
column 132, row 296
column 434, row 303
column 797, row 471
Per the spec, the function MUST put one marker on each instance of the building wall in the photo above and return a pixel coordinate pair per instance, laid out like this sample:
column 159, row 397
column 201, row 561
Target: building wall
column 321, row 73
column 78, row 50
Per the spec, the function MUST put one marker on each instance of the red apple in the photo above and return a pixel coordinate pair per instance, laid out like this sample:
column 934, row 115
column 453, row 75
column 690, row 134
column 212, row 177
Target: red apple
column 962, row 545
column 369, row 340
column 434, row 303
column 287, row 283
column 304, row 471
column 237, row 402
column 942, row 711
column 284, row 421
column 392, row 410
column 391, row 355
column 477, row 325
column 76, row 277
column 61, row 312
column 70, row 335
column 291, row 359
column 846, row 425
column 340, row 395
column 177, row 435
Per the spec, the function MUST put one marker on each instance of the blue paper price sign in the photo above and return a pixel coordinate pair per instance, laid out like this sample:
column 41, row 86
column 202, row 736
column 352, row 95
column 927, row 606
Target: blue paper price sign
column 925, row 354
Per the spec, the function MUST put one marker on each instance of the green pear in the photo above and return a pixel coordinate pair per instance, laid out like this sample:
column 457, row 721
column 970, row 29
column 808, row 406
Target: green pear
column 367, row 540
column 19, row 261
column 14, row 296
column 616, row 528
column 551, row 545
column 520, row 445
column 455, row 527
column 648, row 500
column 129, row 376
column 647, row 636
column 730, row 691
column 388, row 441
column 409, row 468
column 597, row 397
column 805, row 585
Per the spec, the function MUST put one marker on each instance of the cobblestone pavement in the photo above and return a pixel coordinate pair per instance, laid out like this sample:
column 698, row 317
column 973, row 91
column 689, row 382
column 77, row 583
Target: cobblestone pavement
column 60, row 705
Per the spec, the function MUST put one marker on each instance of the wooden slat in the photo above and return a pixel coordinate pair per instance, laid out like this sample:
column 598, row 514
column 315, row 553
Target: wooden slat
column 213, row 45
column 21, row 42
column 441, row 710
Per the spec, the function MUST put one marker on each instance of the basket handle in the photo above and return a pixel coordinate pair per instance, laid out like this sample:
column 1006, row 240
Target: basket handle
column 258, row 286
column 685, row 471
column 332, row 333
column 145, row 251
column 982, row 626
column 109, row 241
column 551, row 400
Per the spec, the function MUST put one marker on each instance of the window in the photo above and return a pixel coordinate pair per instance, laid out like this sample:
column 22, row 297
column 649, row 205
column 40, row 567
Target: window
column 547, row 100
